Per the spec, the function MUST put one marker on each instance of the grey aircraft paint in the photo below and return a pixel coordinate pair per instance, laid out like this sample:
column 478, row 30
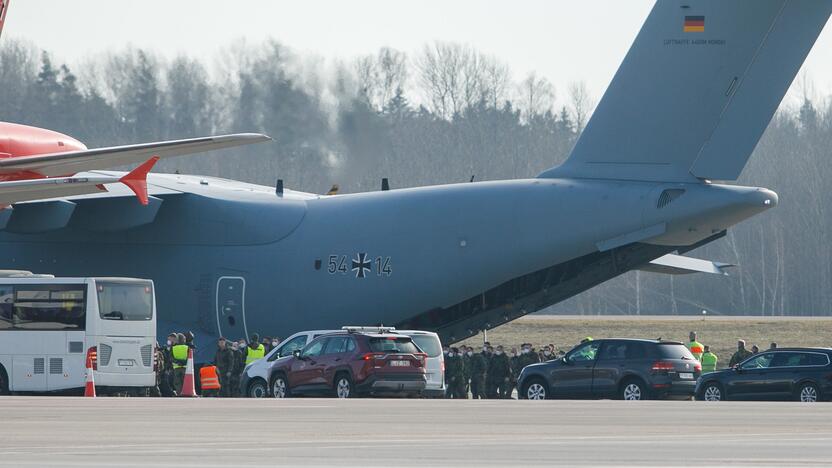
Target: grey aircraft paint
column 232, row 259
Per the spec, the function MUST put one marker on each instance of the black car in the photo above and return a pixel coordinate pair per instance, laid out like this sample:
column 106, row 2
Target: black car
column 614, row 368
column 802, row 374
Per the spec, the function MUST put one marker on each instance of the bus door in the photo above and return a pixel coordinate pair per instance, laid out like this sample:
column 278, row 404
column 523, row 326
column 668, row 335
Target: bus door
column 231, row 307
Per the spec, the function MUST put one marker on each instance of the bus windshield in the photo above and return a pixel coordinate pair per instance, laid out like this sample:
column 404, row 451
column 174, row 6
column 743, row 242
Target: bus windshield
column 125, row 301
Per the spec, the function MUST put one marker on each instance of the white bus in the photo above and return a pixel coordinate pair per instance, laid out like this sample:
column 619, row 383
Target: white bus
column 48, row 324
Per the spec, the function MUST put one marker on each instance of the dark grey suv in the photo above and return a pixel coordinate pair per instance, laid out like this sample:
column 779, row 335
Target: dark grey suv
column 614, row 368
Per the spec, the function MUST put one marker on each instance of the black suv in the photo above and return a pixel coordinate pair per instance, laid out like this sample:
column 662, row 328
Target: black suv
column 614, row 368
column 802, row 374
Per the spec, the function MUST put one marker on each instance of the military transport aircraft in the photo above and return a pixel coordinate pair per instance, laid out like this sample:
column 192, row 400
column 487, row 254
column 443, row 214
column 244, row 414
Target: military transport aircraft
column 697, row 89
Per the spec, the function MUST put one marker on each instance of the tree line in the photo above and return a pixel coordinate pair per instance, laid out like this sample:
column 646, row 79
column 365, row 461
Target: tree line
column 447, row 113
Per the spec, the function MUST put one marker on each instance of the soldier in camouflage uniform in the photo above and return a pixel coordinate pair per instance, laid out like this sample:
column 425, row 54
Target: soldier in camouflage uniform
column 467, row 356
column 498, row 374
column 516, row 363
column 454, row 374
column 479, row 364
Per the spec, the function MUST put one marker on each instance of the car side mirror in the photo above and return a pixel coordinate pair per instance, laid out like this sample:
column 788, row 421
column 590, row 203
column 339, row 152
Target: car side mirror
column 737, row 368
column 296, row 353
column 565, row 361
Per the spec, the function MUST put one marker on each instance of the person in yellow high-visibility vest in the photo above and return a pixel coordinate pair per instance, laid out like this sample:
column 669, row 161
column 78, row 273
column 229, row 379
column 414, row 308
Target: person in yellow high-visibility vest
column 179, row 352
column 709, row 360
column 255, row 350
column 695, row 347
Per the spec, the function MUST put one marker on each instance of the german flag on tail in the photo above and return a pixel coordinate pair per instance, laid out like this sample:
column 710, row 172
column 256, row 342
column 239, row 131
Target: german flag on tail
column 694, row 24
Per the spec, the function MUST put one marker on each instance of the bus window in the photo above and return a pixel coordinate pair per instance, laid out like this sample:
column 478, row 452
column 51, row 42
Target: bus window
column 50, row 307
column 6, row 306
column 125, row 301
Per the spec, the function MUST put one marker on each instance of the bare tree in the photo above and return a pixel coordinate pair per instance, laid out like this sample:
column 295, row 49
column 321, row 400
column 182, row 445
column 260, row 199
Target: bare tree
column 535, row 96
column 581, row 104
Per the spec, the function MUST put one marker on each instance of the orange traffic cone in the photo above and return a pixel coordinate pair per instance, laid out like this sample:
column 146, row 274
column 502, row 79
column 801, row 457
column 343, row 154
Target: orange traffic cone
column 188, row 387
column 89, row 387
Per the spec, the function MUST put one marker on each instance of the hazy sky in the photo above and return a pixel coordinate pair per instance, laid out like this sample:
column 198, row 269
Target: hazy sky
column 562, row 40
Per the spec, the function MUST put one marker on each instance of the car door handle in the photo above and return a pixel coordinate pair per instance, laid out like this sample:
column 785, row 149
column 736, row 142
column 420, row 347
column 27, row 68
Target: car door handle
column 337, row 359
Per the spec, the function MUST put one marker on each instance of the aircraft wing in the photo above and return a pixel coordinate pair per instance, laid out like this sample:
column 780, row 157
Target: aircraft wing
column 72, row 162
column 80, row 184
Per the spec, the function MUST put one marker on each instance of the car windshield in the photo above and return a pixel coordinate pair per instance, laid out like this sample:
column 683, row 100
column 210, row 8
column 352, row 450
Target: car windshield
column 429, row 344
column 393, row 344
column 674, row 351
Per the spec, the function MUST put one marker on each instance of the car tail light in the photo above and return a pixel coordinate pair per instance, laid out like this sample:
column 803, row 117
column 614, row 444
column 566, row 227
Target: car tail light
column 371, row 356
column 421, row 358
column 697, row 367
column 92, row 356
column 663, row 366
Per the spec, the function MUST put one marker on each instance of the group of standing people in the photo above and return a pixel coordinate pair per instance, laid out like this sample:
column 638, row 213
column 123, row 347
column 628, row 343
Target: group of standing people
column 219, row 378
column 709, row 359
column 490, row 373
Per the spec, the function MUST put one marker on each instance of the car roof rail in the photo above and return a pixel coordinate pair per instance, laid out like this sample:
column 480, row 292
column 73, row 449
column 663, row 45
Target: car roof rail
column 361, row 329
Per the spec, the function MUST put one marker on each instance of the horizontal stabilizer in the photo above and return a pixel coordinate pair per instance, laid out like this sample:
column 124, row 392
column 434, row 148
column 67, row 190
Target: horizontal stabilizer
column 672, row 264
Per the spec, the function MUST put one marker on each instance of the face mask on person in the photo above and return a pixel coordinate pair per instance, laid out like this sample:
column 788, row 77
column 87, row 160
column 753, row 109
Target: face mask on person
column 170, row 342
column 242, row 345
column 274, row 343
column 450, row 354
column 499, row 353
column 547, row 353
column 470, row 353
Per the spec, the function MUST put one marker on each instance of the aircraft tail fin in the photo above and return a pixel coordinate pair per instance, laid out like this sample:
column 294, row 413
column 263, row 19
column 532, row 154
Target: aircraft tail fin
column 696, row 90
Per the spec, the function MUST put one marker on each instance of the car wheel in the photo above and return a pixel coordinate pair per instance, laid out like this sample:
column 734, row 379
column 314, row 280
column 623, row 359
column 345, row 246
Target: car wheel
column 343, row 386
column 280, row 387
column 633, row 390
column 808, row 393
column 535, row 389
column 711, row 392
column 258, row 389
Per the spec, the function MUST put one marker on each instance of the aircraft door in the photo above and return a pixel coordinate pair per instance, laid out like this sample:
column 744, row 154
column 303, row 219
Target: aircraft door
column 231, row 307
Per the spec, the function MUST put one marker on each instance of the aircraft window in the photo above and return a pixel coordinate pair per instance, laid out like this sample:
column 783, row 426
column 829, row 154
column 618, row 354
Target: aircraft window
column 336, row 345
column 289, row 347
column 314, row 348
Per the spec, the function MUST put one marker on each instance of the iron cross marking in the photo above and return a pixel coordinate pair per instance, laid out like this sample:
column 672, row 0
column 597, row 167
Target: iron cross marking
column 361, row 265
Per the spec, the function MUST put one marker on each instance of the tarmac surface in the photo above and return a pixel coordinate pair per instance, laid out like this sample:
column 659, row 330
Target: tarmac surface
column 70, row 431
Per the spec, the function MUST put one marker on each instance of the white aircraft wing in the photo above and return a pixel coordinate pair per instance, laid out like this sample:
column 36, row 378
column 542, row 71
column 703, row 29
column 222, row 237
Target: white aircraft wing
column 72, row 162
column 80, row 184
